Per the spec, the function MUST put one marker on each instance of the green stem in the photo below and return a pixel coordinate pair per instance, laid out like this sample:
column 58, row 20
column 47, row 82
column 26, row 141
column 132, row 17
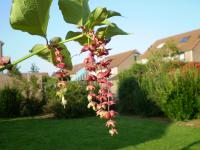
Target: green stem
column 36, row 52
column 71, row 39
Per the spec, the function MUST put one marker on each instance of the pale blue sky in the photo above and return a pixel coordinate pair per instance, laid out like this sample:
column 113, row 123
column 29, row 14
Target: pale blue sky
column 147, row 20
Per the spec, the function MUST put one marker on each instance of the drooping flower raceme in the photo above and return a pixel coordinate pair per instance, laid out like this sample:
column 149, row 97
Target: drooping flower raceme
column 61, row 75
column 99, row 72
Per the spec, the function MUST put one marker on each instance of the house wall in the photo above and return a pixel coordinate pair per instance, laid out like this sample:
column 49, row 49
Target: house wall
column 142, row 61
column 196, row 53
column 114, row 71
column 72, row 76
column 114, row 87
column 188, row 56
column 126, row 64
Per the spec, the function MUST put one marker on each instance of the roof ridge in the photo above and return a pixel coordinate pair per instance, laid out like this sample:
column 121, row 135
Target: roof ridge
column 113, row 55
column 122, row 53
column 125, row 57
column 171, row 36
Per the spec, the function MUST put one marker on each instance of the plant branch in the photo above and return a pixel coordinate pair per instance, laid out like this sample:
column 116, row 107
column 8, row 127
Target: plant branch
column 36, row 52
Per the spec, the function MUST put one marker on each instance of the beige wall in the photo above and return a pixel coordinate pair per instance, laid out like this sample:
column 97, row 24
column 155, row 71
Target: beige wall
column 196, row 53
column 114, row 87
column 126, row 64
column 188, row 56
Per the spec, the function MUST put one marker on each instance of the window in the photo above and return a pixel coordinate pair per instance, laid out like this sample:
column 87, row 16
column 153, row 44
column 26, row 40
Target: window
column 184, row 39
column 182, row 57
column 135, row 57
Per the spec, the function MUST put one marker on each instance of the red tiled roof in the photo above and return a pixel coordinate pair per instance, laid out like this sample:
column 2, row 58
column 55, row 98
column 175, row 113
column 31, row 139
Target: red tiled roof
column 116, row 60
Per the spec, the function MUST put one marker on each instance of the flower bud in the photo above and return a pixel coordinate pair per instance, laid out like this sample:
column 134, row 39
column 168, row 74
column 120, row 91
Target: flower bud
column 110, row 123
column 61, row 65
column 91, row 96
column 64, row 102
column 62, row 84
column 113, row 131
column 90, row 88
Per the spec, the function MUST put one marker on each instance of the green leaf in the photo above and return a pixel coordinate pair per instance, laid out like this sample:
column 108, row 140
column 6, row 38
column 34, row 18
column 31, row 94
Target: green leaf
column 110, row 31
column 113, row 13
column 65, row 52
column 74, row 11
column 30, row 16
column 49, row 55
column 45, row 54
column 83, row 40
column 105, row 22
column 100, row 16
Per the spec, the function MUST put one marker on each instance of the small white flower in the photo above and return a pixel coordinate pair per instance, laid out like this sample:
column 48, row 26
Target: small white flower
column 92, row 104
column 113, row 131
column 64, row 102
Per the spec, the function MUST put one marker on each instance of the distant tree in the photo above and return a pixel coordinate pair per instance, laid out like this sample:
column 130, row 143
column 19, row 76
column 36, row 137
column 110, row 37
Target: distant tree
column 158, row 58
column 34, row 68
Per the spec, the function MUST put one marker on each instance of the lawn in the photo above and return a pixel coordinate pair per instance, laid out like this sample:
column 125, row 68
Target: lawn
column 90, row 134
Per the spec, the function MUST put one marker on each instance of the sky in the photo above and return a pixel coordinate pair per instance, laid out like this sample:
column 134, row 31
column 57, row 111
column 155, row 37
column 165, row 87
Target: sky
column 145, row 20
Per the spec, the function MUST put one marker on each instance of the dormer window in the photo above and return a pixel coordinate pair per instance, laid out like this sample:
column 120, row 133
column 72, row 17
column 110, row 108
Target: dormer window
column 135, row 57
column 160, row 45
column 184, row 39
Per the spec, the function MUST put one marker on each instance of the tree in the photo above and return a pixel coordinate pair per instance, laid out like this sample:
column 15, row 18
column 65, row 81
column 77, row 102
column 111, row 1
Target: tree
column 34, row 68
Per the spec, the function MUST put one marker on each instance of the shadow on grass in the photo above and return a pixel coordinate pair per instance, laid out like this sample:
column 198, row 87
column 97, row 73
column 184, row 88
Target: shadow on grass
column 191, row 145
column 74, row 134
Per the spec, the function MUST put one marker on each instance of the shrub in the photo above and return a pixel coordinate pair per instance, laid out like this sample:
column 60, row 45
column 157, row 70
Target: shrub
column 181, row 98
column 76, row 97
column 133, row 99
column 31, row 107
column 169, row 87
column 10, row 99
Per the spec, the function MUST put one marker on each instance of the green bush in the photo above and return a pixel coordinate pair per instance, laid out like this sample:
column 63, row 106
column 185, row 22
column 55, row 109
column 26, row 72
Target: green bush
column 34, row 96
column 133, row 99
column 172, row 88
column 31, row 107
column 10, row 99
column 76, row 96
column 179, row 96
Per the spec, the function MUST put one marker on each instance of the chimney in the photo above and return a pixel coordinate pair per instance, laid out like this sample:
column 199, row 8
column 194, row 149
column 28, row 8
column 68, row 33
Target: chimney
column 1, row 49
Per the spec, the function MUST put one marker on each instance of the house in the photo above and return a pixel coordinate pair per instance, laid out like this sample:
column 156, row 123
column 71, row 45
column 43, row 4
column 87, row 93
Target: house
column 188, row 44
column 120, row 62
column 39, row 75
column 7, row 80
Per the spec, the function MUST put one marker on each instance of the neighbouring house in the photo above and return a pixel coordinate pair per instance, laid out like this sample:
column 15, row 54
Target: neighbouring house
column 120, row 62
column 39, row 75
column 188, row 44
column 7, row 80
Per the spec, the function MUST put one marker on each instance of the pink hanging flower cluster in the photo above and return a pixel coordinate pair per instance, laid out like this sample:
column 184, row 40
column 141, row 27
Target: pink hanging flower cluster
column 99, row 72
column 62, row 74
